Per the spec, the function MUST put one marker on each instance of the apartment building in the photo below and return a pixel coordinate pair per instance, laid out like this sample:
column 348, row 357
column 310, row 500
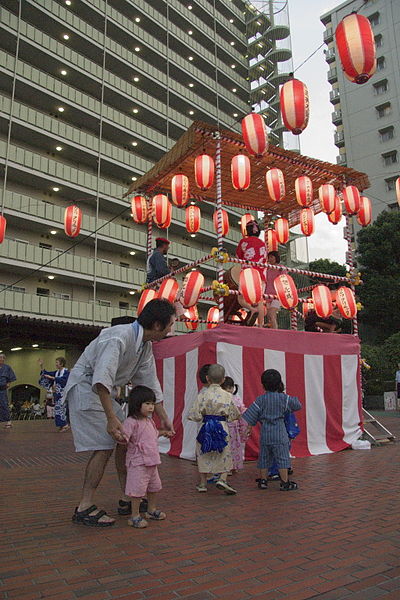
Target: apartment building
column 92, row 94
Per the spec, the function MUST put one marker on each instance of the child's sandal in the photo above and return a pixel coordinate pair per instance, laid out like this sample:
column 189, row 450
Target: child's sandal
column 156, row 515
column 262, row 484
column 138, row 522
column 288, row 486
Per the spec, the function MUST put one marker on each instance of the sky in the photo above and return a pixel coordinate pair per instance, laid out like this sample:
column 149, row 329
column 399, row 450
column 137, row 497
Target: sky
column 317, row 139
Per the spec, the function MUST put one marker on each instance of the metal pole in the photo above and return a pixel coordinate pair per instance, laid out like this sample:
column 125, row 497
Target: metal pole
column 218, row 181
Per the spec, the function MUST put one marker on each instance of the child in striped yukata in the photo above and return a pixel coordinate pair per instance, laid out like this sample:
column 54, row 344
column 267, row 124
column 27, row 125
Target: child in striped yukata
column 269, row 410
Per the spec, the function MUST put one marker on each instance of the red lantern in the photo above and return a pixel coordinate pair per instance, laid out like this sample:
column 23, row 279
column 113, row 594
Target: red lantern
column 307, row 222
column 191, row 288
column 272, row 240
column 139, row 209
column 246, row 218
column 162, row 210
column 346, row 302
column 3, row 225
column 145, row 297
column 275, row 184
column 250, row 285
column 322, row 300
column 398, row 190
column 255, row 134
column 282, row 230
column 192, row 313
column 212, row 315
column 169, row 289
column 286, row 291
column 336, row 215
column 204, row 171
column 356, row 46
column 225, row 221
column 327, row 195
column 72, row 220
column 240, row 172
column 351, row 197
column 193, row 218
column 304, row 190
column 294, row 105
column 180, row 189
column 364, row 214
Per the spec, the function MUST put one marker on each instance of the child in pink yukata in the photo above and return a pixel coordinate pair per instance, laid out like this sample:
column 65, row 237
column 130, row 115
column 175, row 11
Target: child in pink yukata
column 142, row 455
column 238, row 428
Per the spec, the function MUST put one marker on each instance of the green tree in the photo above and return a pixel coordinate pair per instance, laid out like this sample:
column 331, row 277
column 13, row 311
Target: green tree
column 383, row 360
column 330, row 267
column 379, row 262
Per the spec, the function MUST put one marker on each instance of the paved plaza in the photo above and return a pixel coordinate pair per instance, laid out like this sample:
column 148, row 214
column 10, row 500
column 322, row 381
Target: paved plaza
column 336, row 537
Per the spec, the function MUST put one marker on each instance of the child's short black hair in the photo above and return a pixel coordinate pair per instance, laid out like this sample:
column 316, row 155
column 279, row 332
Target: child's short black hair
column 203, row 372
column 272, row 381
column 229, row 383
column 137, row 396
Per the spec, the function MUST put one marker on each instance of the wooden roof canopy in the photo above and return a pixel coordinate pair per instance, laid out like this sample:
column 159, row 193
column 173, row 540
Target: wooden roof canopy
column 200, row 137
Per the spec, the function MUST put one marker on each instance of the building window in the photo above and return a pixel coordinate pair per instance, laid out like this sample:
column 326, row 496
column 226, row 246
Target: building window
column 379, row 41
column 386, row 134
column 380, row 63
column 61, row 296
column 374, row 19
column 381, row 87
column 383, row 110
column 390, row 158
column 390, row 184
column 45, row 246
column 125, row 265
column 42, row 292
column 124, row 305
column 103, row 302
column 12, row 288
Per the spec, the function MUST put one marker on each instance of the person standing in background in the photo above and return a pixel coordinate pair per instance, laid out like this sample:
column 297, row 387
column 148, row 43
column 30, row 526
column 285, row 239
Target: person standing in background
column 56, row 381
column 7, row 376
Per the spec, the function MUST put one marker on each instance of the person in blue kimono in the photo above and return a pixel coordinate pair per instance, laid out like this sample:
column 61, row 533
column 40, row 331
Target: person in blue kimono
column 56, row 382
column 7, row 375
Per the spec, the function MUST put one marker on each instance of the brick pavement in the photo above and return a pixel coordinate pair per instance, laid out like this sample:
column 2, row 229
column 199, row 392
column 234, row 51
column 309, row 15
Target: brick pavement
column 336, row 537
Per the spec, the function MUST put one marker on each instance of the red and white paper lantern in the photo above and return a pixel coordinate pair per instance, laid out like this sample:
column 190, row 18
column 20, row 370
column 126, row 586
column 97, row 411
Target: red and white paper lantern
column 336, row 215
column 191, row 288
column 307, row 221
column 145, row 297
column 225, row 221
column 169, row 289
column 364, row 214
column 193, row 219
column 351, row 198
column 398, row 190
column 255, row 134
column 250, row 285
column 322, row 300
column 162, row 210
column 180, row 189
column 192, row 313
column 204, row 171
column 304, row 190
column 271, row 240
column 72, row 220
column 212, row 315
column 240, row 172
column 346, row 302
column 356, row 46
column 327, row 195
column 295, row 105
column 286, row 291
column 139, row 209
column 246, row 218
column 275, row 184
column 3, row 225
column 282, row 230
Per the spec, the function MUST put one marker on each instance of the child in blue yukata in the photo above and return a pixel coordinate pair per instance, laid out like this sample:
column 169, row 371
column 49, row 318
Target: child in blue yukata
column 269, row 410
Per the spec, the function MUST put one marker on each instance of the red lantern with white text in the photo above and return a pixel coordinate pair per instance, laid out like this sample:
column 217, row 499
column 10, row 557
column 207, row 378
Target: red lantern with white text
column 240, row 172
column 304, row 190
column 327, row 195
column 180, row 189
column 282, row 230
column 212, row 317
column 139, row 209
column 307, row 222
column 255, row 134
column 72, row 220
column 294, row 105
column 3, row 225
column 169, row 289
column 336, row 215
column 192, row 313
column 272, row 240
column 162, row 210
column 191, row 288
column 275, row 184
column 322, row 300
column 225, row 221
column 204, row 171
column 356, row 46
column 346, row 302
column 286, row 291
column 364, row 214
column 193, row 219
column 250, row 285
column 398, row 190
column 246, row 218
column 351, row 198
column 145, row 297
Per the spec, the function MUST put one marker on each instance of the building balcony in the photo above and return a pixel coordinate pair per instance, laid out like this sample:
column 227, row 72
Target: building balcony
column 279, row 54
column 278, row 32
column 332, row 75
column 334, row 96
column 337, row 117
column 330, row 55
column 339, row 139
column 341, row 159
column 328, row 35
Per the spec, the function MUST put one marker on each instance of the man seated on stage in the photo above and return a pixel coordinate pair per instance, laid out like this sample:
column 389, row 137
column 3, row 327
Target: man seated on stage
column 253, row 249
column 157, row 265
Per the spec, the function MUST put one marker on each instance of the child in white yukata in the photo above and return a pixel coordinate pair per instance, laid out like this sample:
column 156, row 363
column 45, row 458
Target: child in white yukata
column 269, row 410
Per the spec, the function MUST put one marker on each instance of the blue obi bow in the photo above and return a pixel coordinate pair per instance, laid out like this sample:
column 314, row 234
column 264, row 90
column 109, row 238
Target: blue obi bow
column 212, row 436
